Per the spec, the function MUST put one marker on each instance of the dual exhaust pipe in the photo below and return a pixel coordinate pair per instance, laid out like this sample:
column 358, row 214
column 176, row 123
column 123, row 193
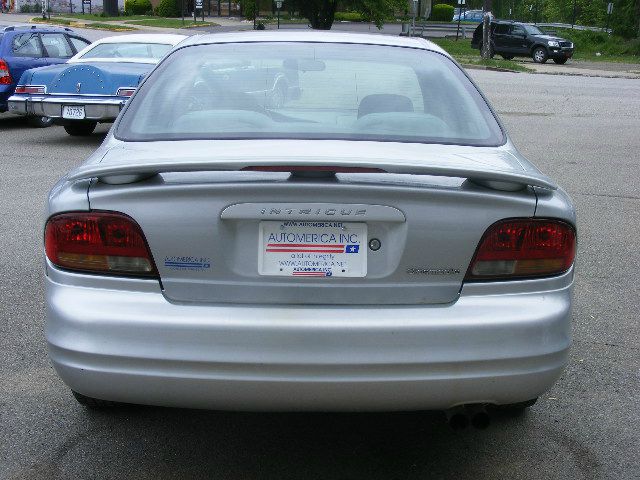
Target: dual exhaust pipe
column 460, row 417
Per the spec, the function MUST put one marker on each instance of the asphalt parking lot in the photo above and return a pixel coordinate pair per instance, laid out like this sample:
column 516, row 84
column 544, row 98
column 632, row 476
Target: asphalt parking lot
column 584, row 132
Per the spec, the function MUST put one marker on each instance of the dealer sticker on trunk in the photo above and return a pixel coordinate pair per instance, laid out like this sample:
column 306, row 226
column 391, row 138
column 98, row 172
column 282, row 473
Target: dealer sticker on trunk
column 312, row 249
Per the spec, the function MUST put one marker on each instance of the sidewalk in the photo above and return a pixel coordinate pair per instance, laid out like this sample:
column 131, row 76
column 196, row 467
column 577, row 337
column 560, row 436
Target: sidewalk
column 585, row 68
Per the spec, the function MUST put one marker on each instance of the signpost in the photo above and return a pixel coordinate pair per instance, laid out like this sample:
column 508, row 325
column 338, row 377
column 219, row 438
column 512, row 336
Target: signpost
column 198, row 4
column 461, row 6
column 86, row 2
column 279, row 6
column 413, row 21
column 609, row 12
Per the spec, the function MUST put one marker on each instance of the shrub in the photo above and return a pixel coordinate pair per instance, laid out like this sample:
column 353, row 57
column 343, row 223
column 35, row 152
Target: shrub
column 248, row 9
column 168, row 8
column 138, row 7
column 441, row 12
column 348, row 17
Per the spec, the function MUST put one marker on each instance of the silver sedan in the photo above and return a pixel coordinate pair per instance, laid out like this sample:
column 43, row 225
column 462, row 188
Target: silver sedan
column 371, row 241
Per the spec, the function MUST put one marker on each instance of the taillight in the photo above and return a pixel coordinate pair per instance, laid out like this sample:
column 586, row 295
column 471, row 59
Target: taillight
column 31, row 89
column 125, row 91
column 5, row 76
column 522, row 248
column 102, row 242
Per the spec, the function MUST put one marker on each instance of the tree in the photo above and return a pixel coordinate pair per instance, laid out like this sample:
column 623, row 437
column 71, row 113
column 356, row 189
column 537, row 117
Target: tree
column 321, row 12
column 486, row 27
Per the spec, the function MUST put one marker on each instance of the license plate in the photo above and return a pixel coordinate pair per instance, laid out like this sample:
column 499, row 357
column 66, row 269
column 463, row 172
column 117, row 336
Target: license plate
column 313, row 249
column 73, row 112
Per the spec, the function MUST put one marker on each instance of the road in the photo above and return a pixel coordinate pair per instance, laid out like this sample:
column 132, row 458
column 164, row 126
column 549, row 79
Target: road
column 582, row 131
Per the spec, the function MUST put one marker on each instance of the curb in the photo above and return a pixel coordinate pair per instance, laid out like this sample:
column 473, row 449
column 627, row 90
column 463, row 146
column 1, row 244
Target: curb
column 472, row 66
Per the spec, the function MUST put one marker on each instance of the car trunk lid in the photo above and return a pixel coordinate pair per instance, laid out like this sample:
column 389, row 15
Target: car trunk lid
column 209, row 232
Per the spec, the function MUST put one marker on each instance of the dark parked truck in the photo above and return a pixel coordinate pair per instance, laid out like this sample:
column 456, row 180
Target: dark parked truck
column 512, row 39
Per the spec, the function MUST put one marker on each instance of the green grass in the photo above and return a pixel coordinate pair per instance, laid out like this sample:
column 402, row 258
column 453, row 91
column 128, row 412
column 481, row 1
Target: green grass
column 108, row 26
column 461, row 47
column 74, row 23
column 52, row 21
column 461, row 50
column 611, row 48
column 162, row 22
column 99, row 18
column 496, row 63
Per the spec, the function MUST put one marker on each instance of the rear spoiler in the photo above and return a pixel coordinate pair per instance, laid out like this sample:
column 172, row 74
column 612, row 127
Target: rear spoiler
column 122, row 173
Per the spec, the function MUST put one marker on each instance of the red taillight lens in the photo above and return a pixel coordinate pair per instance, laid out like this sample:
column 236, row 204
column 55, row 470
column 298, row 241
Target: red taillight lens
column 5, row 76
column 125, row 91
column 98, row 242
column 524, row 248
column 30, row 89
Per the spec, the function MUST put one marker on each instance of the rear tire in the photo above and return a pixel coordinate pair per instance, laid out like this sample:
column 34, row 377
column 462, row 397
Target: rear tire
column 560, row 61
column 80, row 129
column 40, row 122
column 540, row 55
column 93, row 403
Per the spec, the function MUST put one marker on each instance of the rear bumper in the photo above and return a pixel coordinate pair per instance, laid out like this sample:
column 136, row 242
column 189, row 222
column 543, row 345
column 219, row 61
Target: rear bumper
column 96, row 109
column 110, row 342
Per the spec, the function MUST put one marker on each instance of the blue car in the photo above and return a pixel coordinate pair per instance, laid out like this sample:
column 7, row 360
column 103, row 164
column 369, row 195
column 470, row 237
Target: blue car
column 93, row 85
column 469, row 16
column 26, row 47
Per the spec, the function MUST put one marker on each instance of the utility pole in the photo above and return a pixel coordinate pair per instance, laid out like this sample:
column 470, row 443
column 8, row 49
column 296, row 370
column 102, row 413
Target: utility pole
column 486, row 30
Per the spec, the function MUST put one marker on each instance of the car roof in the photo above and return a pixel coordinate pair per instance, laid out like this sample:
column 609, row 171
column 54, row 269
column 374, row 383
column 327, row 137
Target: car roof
column 39, row 28
column 163, row 38
column 305, row 36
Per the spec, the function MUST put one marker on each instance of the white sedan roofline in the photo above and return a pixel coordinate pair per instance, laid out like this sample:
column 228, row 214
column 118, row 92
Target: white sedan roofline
column 314, row 36
column 155, row 38
column 113, row 60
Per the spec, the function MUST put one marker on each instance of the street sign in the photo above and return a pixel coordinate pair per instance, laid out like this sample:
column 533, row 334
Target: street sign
column 199, row 4
column 462, row 2
column 609, row 8
column 279, row 4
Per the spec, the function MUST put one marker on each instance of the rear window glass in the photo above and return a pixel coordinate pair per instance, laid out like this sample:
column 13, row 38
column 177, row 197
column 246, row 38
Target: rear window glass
column 26, row 45
column 56, row 45
column 309, row 91
column 153, row 51
column 78, row 43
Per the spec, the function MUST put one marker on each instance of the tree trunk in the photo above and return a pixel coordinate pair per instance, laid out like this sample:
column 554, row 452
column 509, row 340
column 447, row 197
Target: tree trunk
column 486, row 31
column 319, row 12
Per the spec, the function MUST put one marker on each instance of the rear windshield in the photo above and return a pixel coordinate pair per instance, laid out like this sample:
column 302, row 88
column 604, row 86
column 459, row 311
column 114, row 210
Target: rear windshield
column 309, row 91
column 154, row 51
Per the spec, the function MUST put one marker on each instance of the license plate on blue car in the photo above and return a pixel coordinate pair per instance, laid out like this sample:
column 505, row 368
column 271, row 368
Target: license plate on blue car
column 73, row 112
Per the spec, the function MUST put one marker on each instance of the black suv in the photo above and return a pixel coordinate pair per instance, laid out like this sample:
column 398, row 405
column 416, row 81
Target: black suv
column 513, row 39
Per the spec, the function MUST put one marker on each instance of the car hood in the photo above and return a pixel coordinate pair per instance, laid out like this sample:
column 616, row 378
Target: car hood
column 99, row 78
column 551, row 37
